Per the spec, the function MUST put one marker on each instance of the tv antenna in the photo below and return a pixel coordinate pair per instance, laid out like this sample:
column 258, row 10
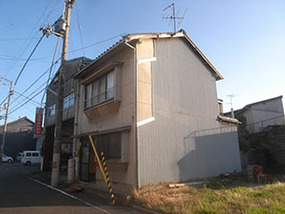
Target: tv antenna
column 174, row 16
column 231, row 103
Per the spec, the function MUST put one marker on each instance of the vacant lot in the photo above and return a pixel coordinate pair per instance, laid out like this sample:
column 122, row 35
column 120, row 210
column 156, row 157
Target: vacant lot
column 218, row 196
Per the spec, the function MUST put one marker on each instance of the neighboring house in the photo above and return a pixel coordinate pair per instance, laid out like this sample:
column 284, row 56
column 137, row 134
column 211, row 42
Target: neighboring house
column 150, row 103
column 261, row 114
column 19, row 137
column 71, row 67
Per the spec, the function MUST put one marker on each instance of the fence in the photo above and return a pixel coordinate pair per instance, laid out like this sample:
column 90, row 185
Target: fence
column 261, row 125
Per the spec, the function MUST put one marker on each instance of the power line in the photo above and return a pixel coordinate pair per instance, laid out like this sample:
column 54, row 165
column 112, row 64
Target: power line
column 16, row 58
column 20, row 104
column 46, row 12
column 27, row 101
column 21, row 95
column 4, row 101
column 16, row 39
column 97, row 43
column 80, row 33
column 28, row 59
column 37, row 79
column 50, row 70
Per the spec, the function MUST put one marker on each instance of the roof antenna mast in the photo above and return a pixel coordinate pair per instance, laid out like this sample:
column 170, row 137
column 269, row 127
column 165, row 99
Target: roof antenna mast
column 173, row 17
column 231, row 103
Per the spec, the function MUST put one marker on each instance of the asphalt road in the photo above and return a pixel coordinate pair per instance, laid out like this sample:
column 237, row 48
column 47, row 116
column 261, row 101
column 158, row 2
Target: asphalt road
column 20, row 193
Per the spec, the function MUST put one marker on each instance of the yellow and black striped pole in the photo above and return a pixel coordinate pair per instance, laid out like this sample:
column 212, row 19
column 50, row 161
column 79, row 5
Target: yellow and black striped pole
column 108, row 178
column 105, row 176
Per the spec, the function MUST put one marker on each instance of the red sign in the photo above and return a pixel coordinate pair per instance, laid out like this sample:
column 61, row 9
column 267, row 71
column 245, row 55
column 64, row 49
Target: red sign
column 38, row 123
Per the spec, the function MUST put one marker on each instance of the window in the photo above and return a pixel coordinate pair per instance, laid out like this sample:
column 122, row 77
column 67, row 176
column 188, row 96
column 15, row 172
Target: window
column 68, row 101
column 51, row 110
column 28, row 154
column 100, row 91
column 35, row 154
column 110, row 144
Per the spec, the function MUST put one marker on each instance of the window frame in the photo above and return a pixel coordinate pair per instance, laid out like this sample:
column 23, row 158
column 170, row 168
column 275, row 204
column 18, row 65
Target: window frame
column 67, row 101
column 99, row 91
column 51, row 110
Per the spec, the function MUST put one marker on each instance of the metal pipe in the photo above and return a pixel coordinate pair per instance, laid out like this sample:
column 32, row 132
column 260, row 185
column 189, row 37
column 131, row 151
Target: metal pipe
column 135, row 114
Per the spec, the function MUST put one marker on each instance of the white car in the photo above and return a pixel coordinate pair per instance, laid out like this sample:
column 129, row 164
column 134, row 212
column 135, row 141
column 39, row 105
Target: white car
column 6, row 158
column 31, row 157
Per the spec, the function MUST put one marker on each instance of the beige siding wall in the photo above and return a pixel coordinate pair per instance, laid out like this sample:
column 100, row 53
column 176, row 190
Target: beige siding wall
column 111, row 117
column 144, row 88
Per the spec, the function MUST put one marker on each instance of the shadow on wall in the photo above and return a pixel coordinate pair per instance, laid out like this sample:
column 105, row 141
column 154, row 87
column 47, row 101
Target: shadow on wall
column 209, row 153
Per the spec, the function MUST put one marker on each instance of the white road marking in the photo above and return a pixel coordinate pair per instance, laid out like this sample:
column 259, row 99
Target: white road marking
column 71, row 196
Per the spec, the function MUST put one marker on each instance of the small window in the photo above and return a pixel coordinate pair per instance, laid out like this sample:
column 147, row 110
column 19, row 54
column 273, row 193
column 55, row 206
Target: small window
column 110, row 144
column 51, row 110
column 28, row 154
column 68, row 101
column 35, row 154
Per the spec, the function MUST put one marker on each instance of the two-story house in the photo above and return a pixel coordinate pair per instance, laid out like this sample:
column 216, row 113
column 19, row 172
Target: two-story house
column 71, row 67
column 150, row 103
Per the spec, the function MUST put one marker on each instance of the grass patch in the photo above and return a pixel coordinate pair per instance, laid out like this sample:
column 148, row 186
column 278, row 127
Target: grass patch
column 213, row 198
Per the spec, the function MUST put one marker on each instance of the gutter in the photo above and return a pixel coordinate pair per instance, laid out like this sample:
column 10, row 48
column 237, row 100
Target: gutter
column 135, row 115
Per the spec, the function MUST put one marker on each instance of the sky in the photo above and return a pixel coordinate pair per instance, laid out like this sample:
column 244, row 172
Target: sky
column 244, row 40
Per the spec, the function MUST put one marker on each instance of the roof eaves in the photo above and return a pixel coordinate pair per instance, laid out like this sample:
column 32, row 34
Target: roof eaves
column 76, row 76
column 229, row 120
column 248, row 106
column 137, row 36
column 262, row 101
column 218, row 74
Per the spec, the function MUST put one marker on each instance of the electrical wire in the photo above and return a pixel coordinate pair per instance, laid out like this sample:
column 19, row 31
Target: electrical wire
column 80, row 33
column 19, row 94
column 50, row 70
column 39, row 88
column 12, row 111
column 13, row 58
column 18, row 39
column 38, row 79
column 28, row 59
column 100, row 42
column 19, row 105
column 46, row 13
column 4, row 101
column 97, row 43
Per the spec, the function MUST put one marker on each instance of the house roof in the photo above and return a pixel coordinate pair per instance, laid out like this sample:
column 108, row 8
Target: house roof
column 229, row 119
column 135, row 37
column 248, row 106
column 20, row 119
column 84, row 59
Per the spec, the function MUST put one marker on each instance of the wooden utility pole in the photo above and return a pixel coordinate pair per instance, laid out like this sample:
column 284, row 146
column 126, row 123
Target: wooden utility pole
column 6, row 120
column 59, row 105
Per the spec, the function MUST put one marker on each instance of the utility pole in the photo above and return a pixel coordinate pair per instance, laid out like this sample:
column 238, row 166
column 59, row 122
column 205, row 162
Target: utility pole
column 6, row 119
column 59, row 105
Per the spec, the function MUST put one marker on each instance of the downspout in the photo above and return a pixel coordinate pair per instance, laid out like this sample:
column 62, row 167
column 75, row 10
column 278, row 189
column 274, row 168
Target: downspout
column 76, row 141
column 135, row 115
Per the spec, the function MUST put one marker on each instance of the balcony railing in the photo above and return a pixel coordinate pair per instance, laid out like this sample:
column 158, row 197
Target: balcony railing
column 99, row 98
